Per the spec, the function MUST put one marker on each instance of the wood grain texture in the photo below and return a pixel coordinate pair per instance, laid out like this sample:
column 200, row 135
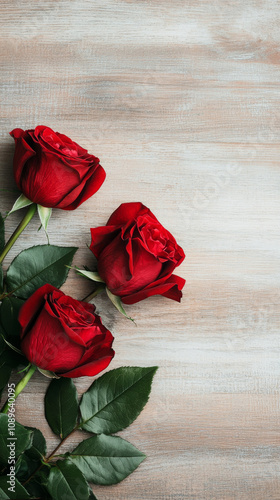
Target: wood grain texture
column 180, row 100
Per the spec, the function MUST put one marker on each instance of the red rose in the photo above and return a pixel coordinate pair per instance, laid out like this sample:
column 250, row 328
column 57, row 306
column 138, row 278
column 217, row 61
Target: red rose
column 64, row 335
column 137, row 255
column 52, row 170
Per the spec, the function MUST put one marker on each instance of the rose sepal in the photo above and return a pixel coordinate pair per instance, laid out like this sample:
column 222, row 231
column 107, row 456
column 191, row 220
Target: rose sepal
column 47, row 373
column 91, row 275
column 21, row 202
column 116, row 301
column 44, row 215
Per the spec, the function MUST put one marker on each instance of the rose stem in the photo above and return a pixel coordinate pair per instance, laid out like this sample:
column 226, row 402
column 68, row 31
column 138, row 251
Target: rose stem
column 22, row 225
column 19, row 387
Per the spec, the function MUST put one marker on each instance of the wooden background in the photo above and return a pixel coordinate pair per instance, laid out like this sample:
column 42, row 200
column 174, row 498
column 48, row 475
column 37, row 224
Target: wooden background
column 180, row 100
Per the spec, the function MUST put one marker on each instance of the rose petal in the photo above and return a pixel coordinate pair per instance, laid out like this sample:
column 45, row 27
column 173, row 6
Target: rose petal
column 87, row 188
column 48, row 346
column 113, row 265
column 101, row 237
column 48, row 184
column 22, row 153
column 33, row 305
column 72, row 334
column 171, row 288
column 54, row 171
column 125, row 212
column 175, row 292
column 92, row 367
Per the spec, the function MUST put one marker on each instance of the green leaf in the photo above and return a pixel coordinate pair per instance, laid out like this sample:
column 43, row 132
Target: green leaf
column 116, row 300
column 31, row 459
column 6, row 493
column 2, row 234
column 39, row 265
column 6, row 371
column 66, row 482
column 90, row 275
column 14, row 348
column 37, row 486
column 115, row 399
column 9, row 311
column 21, row 202
column 21, row 436
column 61, row 406
column 92, row 496
column 3, row 345
column 25, row 467
column 38, row 449
column 106, row 459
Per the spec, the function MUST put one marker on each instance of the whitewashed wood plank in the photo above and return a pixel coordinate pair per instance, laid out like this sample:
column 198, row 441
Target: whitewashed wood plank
column 180, row 102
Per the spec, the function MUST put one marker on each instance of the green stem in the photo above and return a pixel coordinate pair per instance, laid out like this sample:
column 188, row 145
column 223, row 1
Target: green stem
column 61, row 443
column 26, row 219
column 19, row 387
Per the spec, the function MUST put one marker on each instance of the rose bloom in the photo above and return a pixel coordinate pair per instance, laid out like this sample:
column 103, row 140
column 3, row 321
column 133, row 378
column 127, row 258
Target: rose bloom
column 64, row 335
column 54, row 171
column 137, row 255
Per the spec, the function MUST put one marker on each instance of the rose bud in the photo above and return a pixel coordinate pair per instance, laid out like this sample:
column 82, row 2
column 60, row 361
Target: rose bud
column 137, row 255
column 54, row 171
column 64, row 335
